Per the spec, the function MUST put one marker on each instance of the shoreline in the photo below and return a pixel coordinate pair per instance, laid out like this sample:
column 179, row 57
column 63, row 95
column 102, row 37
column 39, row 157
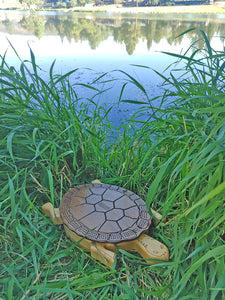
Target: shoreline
column 179, row 9
column 218, row 8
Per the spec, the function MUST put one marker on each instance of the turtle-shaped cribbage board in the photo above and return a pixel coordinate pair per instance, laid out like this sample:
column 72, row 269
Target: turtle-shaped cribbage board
column 97, row 216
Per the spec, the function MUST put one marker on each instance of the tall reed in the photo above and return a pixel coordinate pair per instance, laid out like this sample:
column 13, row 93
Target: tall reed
column 51, row 139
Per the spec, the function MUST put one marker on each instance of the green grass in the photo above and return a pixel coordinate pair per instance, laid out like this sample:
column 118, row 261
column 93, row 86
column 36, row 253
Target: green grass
column 51, row 139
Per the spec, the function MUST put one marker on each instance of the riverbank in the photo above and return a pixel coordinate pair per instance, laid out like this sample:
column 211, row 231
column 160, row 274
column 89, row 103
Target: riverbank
column 218, row 8
column 193, row 9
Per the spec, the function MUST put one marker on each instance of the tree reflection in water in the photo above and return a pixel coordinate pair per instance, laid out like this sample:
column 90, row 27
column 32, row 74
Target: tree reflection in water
column 124, row 30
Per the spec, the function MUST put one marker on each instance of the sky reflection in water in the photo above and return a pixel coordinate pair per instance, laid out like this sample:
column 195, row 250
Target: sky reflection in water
column 104, row 44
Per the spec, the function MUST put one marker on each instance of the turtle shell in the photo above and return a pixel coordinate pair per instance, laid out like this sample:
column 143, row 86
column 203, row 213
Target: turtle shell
column 104, row 213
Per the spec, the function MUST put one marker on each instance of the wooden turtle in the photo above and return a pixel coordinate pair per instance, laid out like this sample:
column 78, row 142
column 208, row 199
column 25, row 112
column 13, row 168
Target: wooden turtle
column 98, row 216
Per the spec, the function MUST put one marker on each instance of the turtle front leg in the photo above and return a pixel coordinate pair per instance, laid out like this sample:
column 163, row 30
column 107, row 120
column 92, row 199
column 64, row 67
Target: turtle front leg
column 52, row 212
column 103, row 252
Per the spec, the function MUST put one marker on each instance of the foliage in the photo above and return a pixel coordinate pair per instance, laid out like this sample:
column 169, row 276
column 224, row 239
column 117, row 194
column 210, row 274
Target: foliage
column 72, row 3
column 68, row 3
column 51, row 139
column 156, row 2
column 61, row 5
column 29, row 3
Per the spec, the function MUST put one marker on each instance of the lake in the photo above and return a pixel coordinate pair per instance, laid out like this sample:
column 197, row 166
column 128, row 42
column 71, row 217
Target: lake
column 104, row 42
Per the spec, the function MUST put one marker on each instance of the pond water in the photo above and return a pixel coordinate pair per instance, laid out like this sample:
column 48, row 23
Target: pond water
column 104, row 42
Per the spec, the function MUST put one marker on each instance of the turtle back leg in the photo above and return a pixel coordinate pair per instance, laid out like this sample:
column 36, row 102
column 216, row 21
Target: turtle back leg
column 147, row 247
column 52, row 212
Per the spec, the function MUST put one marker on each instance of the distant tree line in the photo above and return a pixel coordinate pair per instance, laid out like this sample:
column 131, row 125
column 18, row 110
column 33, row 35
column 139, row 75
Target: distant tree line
column 162, row 2
column 74, row 3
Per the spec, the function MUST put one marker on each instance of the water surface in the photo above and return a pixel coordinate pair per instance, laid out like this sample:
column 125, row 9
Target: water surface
column 104, row 42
